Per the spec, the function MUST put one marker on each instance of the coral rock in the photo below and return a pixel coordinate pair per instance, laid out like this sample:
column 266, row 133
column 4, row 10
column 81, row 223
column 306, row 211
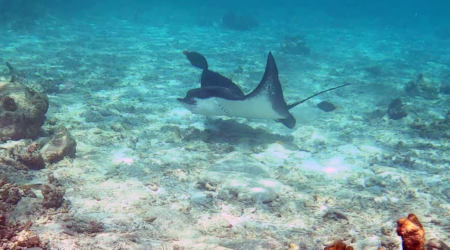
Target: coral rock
column 295, row 45
column 437, row 244
column 396, row 110
column 374, row 70
column 412, row 233
column 22, row 112
column 26, row 239
column 9, row 104
column 28, row 155
column 435, row 130
column 9, row 193
column 53, row 196
column 339, row 245
column 234, row 21
column 424, row 87
column 61, row 144
column 17, row 235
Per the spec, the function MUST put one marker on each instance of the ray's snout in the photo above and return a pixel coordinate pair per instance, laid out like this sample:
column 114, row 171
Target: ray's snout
column 187, row 101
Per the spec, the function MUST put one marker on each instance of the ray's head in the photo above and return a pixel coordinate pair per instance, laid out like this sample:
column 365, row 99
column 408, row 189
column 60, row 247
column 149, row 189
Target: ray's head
column 193, row 100
column 190, row 104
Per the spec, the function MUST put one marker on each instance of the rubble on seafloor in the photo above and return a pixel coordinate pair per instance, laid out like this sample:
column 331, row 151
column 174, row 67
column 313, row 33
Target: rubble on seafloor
column 17, row 234
column 423, row 86
column 25, row 147
column 412, row 233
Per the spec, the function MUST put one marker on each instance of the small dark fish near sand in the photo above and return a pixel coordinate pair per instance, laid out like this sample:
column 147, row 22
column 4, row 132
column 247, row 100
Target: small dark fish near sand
column 326, row 106
column 38, row 186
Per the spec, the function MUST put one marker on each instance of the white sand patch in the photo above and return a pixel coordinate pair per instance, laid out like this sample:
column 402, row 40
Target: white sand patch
column 242, row 178
column 274, row 155
column 122, row 156
column 180, row 112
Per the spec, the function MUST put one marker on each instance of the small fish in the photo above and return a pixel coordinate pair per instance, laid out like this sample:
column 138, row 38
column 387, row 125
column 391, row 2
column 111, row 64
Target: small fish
column 149, row 219
column 38, row 186
column 11, row 68
column 127, row 236
column 326, row 106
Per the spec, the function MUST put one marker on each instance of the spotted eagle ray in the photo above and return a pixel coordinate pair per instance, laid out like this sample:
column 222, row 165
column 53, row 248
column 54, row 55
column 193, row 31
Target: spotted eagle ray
column 219, row 96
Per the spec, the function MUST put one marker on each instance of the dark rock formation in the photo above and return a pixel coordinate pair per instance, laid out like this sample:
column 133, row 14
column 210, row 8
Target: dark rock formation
column 374, row 70
column 234, row 21
column 435, row 130
column 84, row 226
column 28, row 155
column 424, row 87
column 53, row 193
column 35, row 155
column 10, row 195
column 53, row 196
column 22, row 112
column 61, row 144
column 443, row 33
column 445, row 89
column 395, row 110
column 17, row 235
column 9, row 104
column 295, row 45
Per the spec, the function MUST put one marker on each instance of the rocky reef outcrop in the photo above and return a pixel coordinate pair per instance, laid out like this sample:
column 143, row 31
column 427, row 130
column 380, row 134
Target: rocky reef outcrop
column 22, row 111
column 17, row 235
column 35, row 155
column 295, row 45
column 60, row 145
column 10, row 194
column 234, row 21
column 424, row 87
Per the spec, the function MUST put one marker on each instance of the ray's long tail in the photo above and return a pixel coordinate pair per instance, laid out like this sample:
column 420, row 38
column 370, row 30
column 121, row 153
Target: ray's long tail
column 294, row 104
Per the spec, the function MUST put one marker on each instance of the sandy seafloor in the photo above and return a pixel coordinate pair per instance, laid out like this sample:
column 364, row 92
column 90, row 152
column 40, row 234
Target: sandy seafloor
column 158, row 177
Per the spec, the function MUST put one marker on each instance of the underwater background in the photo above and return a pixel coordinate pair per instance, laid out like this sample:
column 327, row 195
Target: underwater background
column 97, row 153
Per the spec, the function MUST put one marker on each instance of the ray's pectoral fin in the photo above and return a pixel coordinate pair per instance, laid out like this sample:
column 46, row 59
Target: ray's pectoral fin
column 288, row 122
column 270, row 89
column 214, row 79
column 210, row 78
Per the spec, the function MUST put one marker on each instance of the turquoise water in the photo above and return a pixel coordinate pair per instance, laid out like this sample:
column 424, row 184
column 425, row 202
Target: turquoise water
column 157, row 176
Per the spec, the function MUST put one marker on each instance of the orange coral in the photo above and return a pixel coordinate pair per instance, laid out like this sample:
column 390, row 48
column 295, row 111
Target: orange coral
column 412, row 233
column 339, row 245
